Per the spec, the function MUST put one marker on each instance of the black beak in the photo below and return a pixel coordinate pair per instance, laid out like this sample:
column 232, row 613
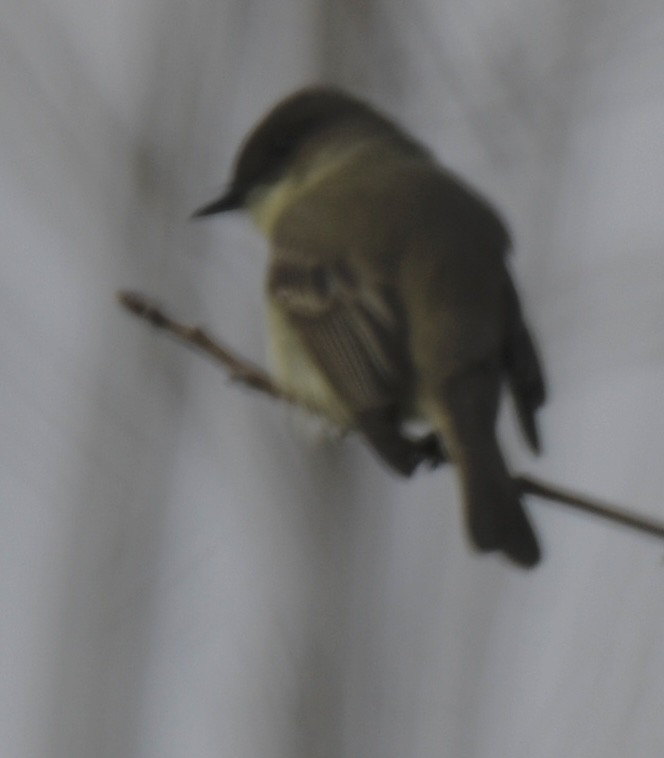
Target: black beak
column 229, row 201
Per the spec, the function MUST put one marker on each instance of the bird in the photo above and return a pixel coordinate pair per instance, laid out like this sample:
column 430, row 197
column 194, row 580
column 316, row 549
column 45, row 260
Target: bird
column 389, row 298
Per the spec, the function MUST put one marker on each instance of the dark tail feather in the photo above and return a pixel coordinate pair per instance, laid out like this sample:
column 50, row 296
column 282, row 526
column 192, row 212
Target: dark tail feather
column 495, row 516
column 465, row 415
column 523, row 369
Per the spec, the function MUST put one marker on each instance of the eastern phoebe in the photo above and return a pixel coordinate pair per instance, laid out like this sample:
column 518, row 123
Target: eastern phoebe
column 389, row 298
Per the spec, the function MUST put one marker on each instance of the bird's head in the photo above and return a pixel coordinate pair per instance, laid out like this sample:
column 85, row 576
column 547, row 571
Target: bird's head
column 280, row 139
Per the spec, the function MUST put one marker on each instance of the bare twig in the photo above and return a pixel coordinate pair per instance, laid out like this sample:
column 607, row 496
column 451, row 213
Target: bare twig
column 557, row 494
column 195, row 336
column 254, row 377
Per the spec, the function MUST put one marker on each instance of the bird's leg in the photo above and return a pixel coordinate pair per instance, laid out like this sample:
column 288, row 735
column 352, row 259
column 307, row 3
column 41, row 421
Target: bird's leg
column 382, row 430
column 431, row 450
column 239, row 369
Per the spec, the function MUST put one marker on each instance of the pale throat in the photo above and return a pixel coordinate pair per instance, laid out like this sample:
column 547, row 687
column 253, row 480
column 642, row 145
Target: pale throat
column 266, row 203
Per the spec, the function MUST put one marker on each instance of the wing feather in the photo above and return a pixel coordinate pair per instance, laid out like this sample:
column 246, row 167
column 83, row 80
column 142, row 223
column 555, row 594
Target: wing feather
column 355, row 333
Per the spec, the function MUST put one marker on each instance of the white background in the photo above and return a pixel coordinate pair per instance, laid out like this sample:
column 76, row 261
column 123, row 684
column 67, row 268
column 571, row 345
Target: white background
column 182, row 573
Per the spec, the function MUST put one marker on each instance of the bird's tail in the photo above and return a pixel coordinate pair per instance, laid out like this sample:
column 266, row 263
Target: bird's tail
column 495, row 517
column 464, row 413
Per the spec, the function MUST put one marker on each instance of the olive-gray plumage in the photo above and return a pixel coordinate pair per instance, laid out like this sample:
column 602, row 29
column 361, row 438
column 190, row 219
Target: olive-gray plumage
column 389, row 297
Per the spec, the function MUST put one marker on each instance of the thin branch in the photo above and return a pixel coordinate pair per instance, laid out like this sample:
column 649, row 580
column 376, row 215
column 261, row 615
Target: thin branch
column 239, row 369
column 255, row 378
column 552, row 492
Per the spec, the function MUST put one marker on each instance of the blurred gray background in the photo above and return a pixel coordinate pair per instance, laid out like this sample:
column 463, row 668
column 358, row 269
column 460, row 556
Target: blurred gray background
column 182, row 572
